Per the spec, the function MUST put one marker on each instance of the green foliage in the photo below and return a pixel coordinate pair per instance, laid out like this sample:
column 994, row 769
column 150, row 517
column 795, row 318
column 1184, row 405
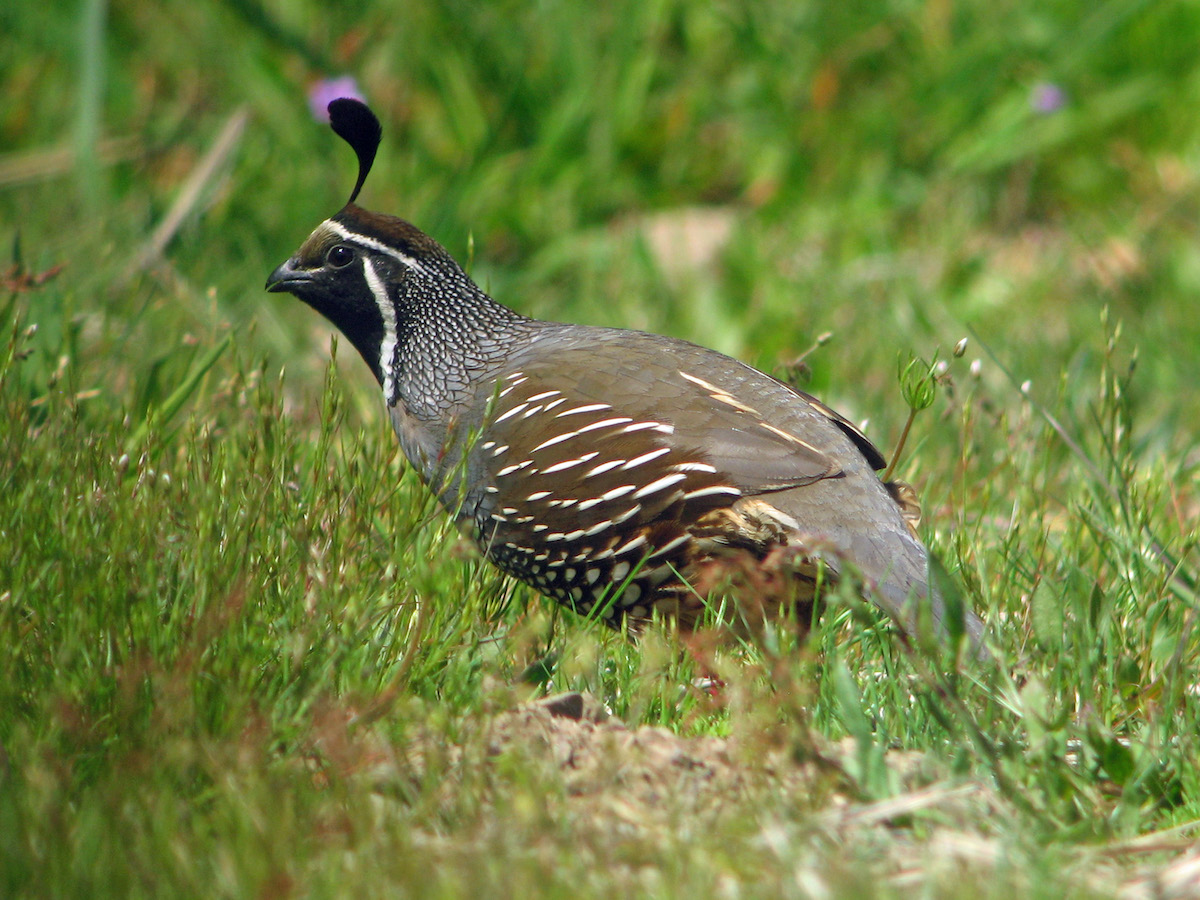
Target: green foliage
column 242, row 652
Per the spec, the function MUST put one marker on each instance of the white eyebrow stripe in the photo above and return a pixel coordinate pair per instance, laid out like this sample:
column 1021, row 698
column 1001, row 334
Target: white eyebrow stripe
column 379, row 246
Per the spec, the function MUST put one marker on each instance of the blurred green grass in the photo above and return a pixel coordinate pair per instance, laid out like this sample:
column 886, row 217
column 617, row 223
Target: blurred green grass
column 224, row 597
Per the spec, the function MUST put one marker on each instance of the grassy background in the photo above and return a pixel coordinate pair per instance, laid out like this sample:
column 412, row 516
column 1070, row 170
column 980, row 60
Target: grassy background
column 241, row 654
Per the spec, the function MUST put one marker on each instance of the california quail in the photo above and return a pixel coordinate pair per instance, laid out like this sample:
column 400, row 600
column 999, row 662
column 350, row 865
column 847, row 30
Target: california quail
column 612, row 470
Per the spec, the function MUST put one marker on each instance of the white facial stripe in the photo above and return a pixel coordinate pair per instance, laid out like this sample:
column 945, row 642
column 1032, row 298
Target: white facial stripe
column 347, row 235
column 387, row 347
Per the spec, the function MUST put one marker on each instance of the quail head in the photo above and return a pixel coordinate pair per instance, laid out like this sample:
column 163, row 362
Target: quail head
column 623, row 474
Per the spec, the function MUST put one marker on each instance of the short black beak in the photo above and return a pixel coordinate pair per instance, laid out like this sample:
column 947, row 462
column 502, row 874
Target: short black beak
column 287, row 278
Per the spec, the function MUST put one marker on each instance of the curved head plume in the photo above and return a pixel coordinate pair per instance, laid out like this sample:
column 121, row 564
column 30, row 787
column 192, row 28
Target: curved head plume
column 354, row 123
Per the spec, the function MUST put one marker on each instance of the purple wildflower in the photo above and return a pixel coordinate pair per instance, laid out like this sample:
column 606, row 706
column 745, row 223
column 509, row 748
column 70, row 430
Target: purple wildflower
column 1047, row 97
column 325, row 91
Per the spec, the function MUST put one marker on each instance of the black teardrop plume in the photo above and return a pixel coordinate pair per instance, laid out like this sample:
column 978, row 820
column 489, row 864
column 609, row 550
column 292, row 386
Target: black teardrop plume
column 354, row 123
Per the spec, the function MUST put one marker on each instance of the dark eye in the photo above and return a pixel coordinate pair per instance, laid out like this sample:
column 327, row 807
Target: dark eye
column 339, row 256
